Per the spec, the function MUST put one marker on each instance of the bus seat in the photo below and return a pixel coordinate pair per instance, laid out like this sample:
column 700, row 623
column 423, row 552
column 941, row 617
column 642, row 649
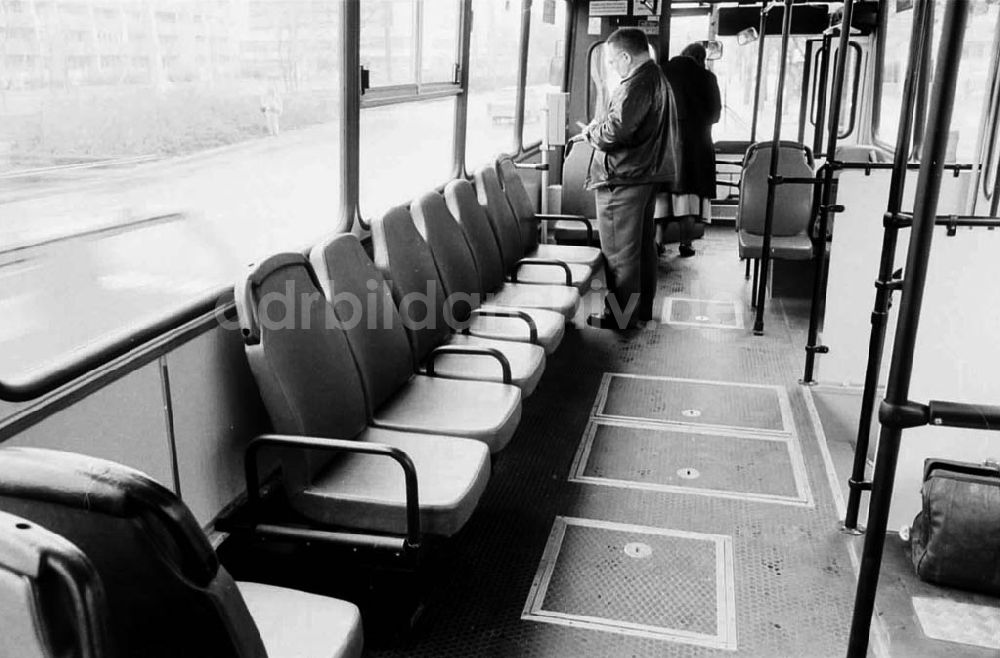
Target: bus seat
column 309, row 379
column 166, row 593
column 524, row 212
column 576, row 198
column 404, row 258
column 790, row 237
column 553, row 273
column 52, row 601
column 506, row 227
column 466, row 208
column 396, row 398
column 460, row 278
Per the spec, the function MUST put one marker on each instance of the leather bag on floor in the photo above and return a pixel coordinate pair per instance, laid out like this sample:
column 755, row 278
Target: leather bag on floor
column 955, row 539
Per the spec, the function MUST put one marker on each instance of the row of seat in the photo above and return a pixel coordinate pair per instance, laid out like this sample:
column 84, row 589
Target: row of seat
column 395, row 381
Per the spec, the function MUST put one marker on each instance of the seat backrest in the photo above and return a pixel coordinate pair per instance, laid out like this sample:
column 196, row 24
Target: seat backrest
column 792, row 202
column 405, row 260
column 166, row 593
column 520, row 202
column 51, row 599
column 576, row 199
column 363, row 303
column 455, row 263
column 502, row 220
column 460, row 197
column 297, row 351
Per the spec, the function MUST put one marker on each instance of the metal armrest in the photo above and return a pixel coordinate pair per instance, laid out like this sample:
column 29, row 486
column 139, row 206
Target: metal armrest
column 333, row 445
column 513, row 313
column 542, row 261
column 549, row 217
column 472, row 351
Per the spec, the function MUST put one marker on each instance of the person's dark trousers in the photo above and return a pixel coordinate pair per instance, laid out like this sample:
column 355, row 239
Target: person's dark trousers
column 628, row 242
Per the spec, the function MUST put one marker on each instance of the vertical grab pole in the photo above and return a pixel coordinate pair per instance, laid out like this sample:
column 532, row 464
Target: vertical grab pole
column 760, row 73
column 824, row 67
column 829, row 169
column 897, row 411
column 919, row 38
column 765, row 251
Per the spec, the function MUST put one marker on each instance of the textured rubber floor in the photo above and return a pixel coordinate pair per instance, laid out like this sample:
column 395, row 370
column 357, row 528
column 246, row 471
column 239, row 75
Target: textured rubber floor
column 793, row 581
column 658, row 458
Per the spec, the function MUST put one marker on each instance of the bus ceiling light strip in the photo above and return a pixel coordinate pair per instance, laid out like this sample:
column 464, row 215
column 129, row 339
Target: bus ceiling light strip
column 898, row 412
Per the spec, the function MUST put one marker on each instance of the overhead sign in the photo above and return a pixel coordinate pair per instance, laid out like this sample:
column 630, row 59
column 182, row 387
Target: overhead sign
column 651, row 28
column 608, row 8
column 645, row 7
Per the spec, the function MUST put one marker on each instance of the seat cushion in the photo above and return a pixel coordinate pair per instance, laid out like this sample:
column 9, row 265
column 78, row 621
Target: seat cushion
column 368, row 492
column 551, row 327
column 792, row 247
column 568, row 253
column 561, row 299
column 573, row 231
column 485, row 411
column 527, row 362
column 580, row 275
column 296, row 624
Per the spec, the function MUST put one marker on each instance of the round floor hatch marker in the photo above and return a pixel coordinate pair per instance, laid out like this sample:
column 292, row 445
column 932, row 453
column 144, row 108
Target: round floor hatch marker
column 688, row 473
column 701, row 318
column 638, row 550
column 691, row 413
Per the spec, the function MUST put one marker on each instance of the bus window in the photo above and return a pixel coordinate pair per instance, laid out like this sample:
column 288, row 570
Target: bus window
column 496, row 28
column 406, row 149
column 972, row 74
column 686, row 29
column 407, row 128
column 439, row 44
column 148, row 152
column 545, row 39
column 738, row 68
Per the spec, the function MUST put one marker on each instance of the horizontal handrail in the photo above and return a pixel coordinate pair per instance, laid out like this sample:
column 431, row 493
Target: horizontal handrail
column 547, row 262
column 470, row 350
column 963, row 414
column 99, row 353
column 336, row 445
column 509, row 313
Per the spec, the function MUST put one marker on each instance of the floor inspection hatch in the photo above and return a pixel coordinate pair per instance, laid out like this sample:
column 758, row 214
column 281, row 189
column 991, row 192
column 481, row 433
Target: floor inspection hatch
column 763, row 469
column 729, row 406
column 705, row 313
column 635, row 580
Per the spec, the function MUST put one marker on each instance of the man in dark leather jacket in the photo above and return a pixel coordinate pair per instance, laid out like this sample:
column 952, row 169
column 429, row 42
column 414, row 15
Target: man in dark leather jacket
column 635, row 151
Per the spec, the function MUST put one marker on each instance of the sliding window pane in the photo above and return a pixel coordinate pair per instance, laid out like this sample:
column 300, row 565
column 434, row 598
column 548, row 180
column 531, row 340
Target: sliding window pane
column 388, row 41
column 439, row 46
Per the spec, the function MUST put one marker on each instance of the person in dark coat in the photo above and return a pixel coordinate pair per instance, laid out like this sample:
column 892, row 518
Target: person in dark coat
column 635, row 151
column 699, row 105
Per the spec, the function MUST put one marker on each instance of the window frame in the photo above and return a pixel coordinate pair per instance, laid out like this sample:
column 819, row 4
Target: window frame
column 381, row 95
column 522, row 75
